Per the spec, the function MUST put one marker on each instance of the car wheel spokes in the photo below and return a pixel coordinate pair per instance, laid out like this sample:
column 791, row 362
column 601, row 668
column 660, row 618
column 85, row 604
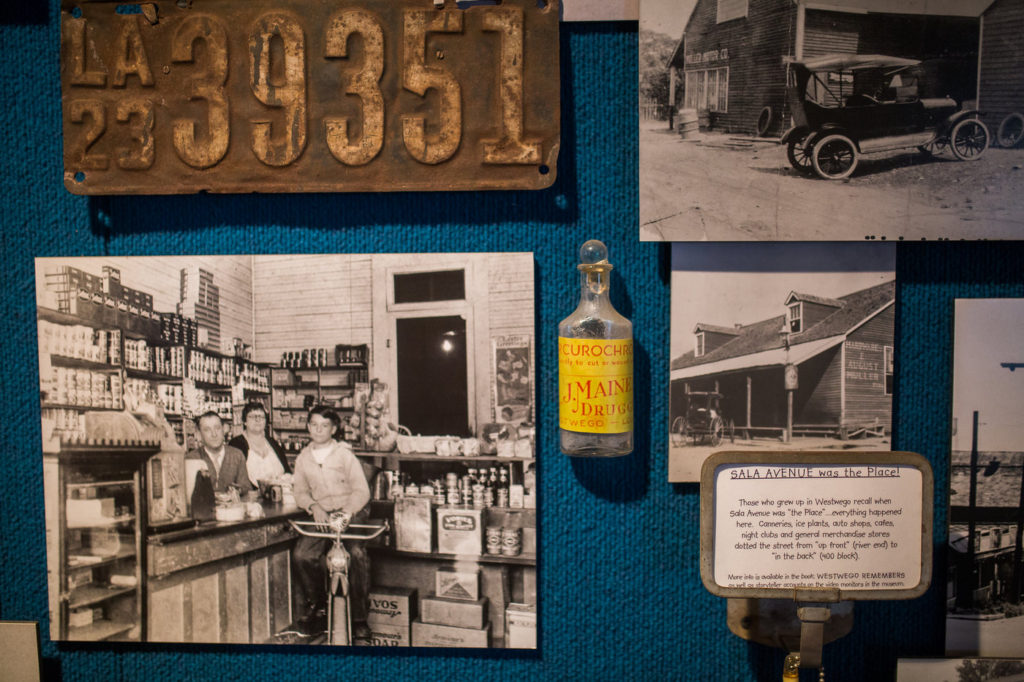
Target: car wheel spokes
column 969, row 139
column 835, row 157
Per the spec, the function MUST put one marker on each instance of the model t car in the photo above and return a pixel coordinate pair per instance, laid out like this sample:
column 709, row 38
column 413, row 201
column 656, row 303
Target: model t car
column 848, row 105
column 701, row 421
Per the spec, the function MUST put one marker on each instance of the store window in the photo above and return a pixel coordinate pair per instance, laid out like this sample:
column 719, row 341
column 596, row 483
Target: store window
column 707, row 89
column 731, row 9
column 889, row 366
column 422, row 287
column 700, row 345
column 795, row 318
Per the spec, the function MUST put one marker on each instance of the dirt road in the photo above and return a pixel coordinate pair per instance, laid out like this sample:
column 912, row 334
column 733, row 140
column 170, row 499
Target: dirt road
column 730, row 188
column 685, row 461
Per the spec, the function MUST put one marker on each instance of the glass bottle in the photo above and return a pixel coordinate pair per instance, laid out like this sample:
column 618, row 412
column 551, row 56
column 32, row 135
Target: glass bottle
column 595, row 366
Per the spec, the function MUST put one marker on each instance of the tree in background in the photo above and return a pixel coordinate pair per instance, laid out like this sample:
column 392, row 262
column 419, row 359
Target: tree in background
column 981, row 670
column 655, row 52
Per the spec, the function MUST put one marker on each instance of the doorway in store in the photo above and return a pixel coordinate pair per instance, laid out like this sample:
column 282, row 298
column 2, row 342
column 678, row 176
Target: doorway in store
column 431, row 357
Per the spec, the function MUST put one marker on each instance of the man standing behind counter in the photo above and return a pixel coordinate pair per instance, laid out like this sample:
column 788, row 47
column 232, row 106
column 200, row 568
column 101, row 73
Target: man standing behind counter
column 225, row 463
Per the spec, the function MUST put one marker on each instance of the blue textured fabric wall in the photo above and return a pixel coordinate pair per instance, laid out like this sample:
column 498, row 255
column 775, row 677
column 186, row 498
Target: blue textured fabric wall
column 620, row 592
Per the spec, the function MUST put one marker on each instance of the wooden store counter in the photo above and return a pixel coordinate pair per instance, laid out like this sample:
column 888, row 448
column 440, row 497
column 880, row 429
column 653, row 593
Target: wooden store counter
column 221, row 581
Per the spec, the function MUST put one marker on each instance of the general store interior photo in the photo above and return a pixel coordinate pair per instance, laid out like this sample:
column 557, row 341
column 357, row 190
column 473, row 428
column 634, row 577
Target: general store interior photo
column 135, row 351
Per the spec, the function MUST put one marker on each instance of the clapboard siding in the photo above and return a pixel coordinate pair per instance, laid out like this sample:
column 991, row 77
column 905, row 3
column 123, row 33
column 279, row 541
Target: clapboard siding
column 818, row 399
column 311, row 301
column 160, row 276
column 866, row 399
column 758, row 45
column 1002, row 62
column 510, row 308
column 755, row 45
column 830, row 33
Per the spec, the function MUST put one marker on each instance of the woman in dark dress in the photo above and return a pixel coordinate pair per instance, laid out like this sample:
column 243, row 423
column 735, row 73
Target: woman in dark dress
column 264, row 456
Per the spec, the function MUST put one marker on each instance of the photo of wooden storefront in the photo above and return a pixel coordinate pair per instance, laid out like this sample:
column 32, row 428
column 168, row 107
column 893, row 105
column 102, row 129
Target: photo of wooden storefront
column 732, row 60
column 823, row 368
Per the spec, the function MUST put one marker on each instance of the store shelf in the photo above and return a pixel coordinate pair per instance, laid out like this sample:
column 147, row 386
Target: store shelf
column 105, row 523
column 87, row 595
column 81, row 363
column 211, row 386
column 102, row 448
column 57, row 317
column 62, row 406
column 92, row 560
column 299, row 386
column 520, row 560
column 100, row 630
column 100, row 484
column 431, row 457
column 151, row 376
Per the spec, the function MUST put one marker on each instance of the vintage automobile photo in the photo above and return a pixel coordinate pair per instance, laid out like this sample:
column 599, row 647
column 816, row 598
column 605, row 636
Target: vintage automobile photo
column 702, row 421
column 744, row 106
column 844, row 106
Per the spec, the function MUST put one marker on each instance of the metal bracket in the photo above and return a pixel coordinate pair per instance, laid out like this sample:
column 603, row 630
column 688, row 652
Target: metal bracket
column 812, row 629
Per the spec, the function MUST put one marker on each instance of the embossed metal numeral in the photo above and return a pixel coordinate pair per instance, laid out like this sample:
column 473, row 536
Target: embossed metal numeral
column 79, row 110
column 196, row 150
column 365, row 85
column 291, row 96
column 418, row 78
column 510, row 148
column 139, row 113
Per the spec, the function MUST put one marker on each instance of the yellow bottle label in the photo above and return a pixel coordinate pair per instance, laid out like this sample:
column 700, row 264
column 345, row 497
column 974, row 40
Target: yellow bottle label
column 595, row 385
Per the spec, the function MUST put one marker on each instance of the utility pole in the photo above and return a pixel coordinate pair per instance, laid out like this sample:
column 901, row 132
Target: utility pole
column 1017, row 586
column 965, row 598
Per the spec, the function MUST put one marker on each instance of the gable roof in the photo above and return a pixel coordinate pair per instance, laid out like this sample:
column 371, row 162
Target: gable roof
column 945, row 8
column 767, row 334
column 811, row 298
column 702, row 327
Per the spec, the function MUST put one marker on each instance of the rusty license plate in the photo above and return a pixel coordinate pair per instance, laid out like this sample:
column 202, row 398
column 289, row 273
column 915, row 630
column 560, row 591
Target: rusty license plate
column 184, row 96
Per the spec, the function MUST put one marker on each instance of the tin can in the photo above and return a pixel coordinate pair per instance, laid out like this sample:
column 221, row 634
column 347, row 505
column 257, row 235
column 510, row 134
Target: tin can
column 511, row 541
column 454, row 496
column 478, row 496
column 494, row 539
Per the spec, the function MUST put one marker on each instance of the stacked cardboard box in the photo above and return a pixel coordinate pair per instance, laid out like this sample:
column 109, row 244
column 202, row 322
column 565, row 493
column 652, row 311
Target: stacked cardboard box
column 460, row 531
column 102, row 300
column 200, row 299
column 391, row 611
column 521, row 626
column 456, row 615
column 414, row 530
column 179, row 330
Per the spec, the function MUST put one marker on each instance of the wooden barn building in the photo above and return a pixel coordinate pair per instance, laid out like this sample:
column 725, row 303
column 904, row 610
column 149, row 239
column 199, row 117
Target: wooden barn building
column 734, row 54
column 1001, row 63
column 842, row 352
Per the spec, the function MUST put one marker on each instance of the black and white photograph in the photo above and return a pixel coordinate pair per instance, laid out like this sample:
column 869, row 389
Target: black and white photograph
column 290, row 449
column 599, row 10
column 791, row 120
column 985, row 604
column 780, row 347
column 959, row 670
